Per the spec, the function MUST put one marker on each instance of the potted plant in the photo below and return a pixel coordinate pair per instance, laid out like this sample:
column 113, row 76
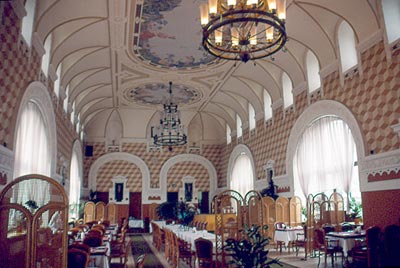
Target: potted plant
column 167, row 211
column 355, row 208
column 250, row 251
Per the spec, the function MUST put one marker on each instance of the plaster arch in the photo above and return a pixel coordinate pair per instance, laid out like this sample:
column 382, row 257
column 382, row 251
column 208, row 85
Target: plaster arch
column 125, row 157
column 239, row 149
column 38, row 93
column 318, row 109
column 212, row 172
column 77, row 149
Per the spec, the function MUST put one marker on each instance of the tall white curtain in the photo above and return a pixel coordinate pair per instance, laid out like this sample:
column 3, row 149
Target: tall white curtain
column 75, row 186
column 325, row 158
column 32, row 155
column 242, row 175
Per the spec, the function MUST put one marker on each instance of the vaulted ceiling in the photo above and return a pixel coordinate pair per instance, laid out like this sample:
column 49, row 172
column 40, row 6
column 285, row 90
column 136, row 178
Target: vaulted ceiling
column 118, row 56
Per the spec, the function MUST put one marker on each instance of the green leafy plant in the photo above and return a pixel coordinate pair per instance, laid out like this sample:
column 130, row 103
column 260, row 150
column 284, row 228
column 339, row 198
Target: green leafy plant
column 250, row 251
column 355, row 208
column 167, row 211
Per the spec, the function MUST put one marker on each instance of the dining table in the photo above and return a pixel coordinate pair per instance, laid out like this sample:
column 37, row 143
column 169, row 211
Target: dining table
column 288, row 234
column 347, row 239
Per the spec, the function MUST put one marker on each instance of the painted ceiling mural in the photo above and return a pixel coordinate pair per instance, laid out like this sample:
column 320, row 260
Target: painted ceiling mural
column 170, row 34
column 157, row 93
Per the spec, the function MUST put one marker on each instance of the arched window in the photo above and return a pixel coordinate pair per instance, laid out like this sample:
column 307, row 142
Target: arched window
column 238, row 126
column 347, row 46
column 287, row 90
column 252, row 117
column 391, row 13
column 325, row 159
column 32, row 155
column 73, row 113
column 75, row 179
column 28, row 20
column 66, row 100
column 78, row 123
column 267, row 105
column 228, row 134
column 46, row 56
column 314, row 81
column 57, row 83
column 242, row 174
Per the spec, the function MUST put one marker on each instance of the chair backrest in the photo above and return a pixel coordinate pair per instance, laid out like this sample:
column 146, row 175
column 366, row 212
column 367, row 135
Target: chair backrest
column 280, row 225
column 93, row 241
column 391, row 246
column 328, row 228
column 77, row 258
column 79, row 246
column 319, row 238
column 347, row 227
column 204, row 248
column 140, row 261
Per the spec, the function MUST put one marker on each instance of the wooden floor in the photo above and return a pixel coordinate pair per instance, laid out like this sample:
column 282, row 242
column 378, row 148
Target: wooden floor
column 284, row 256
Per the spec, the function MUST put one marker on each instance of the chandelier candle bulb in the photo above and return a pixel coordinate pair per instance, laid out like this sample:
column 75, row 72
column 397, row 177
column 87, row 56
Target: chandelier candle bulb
column 204, row 13
column 212, row 4
column 281, row 9
column 272, row 5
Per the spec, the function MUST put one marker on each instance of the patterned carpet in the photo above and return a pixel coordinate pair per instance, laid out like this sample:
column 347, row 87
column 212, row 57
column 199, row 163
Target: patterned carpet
column 140, row 246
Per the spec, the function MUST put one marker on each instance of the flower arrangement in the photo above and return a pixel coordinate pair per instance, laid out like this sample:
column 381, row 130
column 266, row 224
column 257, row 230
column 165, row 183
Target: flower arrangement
column 186, row 212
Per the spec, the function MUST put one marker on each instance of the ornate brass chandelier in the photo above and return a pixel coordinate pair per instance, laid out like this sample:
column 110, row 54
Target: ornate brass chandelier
column 169, row 132
column 243, row 29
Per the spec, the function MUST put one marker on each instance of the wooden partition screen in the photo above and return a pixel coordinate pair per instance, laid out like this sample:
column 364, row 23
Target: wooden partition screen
column 33, row 219
column 100, row 211
column 89, row 212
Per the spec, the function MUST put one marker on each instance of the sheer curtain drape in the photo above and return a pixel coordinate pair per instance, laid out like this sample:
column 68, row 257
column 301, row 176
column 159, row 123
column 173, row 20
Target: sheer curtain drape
column 325, row 158
column 32, row 155
column 75, row 186
column 242, row 175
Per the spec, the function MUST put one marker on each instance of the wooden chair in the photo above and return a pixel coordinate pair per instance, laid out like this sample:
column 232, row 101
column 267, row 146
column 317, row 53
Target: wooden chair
column 327, row 246
column 77, row 258
column 301, row 242
column 183, row 251
column 120, row 253
column 366, row 253
column 93, row 240
column 391, row 246
column 204, row 252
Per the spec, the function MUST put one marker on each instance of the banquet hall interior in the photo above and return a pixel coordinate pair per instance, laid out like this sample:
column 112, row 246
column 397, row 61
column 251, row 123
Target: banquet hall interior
column 128, row 125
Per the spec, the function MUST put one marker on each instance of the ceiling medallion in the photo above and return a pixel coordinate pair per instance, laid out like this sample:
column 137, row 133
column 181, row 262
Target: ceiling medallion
column 157, row 93
column 243, row 30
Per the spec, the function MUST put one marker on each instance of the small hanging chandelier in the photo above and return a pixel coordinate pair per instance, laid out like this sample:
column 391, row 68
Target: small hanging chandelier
column 243, row 29
column 169, row 132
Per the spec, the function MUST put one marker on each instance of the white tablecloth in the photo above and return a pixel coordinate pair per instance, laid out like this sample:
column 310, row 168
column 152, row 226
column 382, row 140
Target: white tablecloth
column 189, row 236
column 346, row 239
column 135, row 224
column 287, row 235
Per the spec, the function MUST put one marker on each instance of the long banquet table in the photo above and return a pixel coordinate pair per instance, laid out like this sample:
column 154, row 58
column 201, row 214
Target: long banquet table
column 190, row 235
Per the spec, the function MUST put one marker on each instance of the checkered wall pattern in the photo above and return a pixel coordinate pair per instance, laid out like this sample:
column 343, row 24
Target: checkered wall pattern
column 17, row 72
column 119, row 167
column 372, row 98
column 19, row 66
